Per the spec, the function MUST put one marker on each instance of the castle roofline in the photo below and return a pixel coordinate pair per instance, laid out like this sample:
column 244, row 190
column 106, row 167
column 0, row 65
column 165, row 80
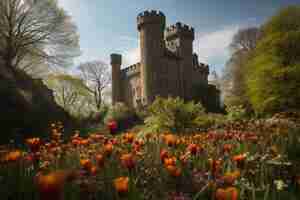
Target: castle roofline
column 132, row 69
column 179, row 30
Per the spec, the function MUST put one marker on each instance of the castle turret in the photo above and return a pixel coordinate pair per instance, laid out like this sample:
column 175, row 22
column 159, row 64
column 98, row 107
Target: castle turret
column 183, row 36
column 151, row 25
column 116, row 61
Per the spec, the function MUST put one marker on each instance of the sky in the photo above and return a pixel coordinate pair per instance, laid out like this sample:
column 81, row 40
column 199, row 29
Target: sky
column 109, row 26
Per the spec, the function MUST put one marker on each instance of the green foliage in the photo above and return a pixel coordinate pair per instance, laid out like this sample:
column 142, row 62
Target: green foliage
column 207, row 95
column 72, row 94
column 236, row 113
column 293, row 144
column 123, row 115
column 274, row 70
column 173, row 114
column 235, row 72
column 118, row 112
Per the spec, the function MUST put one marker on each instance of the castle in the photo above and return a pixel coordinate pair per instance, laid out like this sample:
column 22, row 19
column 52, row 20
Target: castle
column 168, row 66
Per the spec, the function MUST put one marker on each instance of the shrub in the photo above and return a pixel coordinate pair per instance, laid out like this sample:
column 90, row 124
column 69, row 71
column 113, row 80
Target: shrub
column 236, row 113
column 123, row 115
column 173, row 114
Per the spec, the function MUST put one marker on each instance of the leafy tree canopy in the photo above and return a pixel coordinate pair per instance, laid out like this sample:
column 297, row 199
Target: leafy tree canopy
column 274, row 70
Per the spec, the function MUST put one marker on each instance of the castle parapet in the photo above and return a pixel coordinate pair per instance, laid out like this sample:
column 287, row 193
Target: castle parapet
column 179, row 30
column 132, row 69
column 151, row 17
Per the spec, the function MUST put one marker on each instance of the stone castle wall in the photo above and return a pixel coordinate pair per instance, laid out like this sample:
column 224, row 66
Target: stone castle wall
column 168, row 66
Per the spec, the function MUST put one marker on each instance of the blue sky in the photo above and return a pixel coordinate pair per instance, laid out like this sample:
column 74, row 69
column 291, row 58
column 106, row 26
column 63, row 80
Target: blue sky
column 109, row 26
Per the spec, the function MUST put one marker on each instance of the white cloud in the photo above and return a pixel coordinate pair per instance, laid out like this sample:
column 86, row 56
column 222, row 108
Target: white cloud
column 214, row 45
column 131, row 57
column 211, row 47
column 72, row 6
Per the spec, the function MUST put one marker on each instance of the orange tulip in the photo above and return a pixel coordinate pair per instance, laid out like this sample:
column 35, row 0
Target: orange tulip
column 170, row 139
column 34, row 144
column 230, row 177
column 163, row 154
column 184, row 159
column 100, row 160
column 121, row 184
column 170, row 161
column 193, row 149
column 239, row 158
column 128, row 137
column 86, row 164
column 93, row 170
column 227, row 147
column 173, row 170
column 13, row 156
column 230, row 193
column 108, row 148
column 215, row 166
column 127, row 160
column 84, row 142
column 51, row 186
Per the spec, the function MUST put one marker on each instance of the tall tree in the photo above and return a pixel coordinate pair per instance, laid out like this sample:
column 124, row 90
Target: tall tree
column 97, row 77
column 235, row 72
column 274, row 70
column 36, row 33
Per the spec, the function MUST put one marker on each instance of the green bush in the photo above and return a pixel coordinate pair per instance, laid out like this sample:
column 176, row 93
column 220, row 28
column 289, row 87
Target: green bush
column 236, row 113
column 173, row 114
column 123, row 115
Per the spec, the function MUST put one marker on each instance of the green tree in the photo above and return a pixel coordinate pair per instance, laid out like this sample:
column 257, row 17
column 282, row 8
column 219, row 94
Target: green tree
column 274, row 70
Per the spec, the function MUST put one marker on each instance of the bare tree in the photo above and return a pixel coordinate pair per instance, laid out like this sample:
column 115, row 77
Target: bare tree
column 235, row 71
column 245, row 39
column 97, row 77
column 34, row 32
column 71, row 93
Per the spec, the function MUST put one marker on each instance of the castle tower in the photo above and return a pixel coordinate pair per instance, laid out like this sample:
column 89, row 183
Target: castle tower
column 116, row 61
column 151, row 27
column 183, row 36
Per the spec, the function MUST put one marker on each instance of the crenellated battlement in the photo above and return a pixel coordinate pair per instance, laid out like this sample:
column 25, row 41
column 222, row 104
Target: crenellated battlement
column 179, row 30
column 151, row 17
column 167, row 65
column 132, row 69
